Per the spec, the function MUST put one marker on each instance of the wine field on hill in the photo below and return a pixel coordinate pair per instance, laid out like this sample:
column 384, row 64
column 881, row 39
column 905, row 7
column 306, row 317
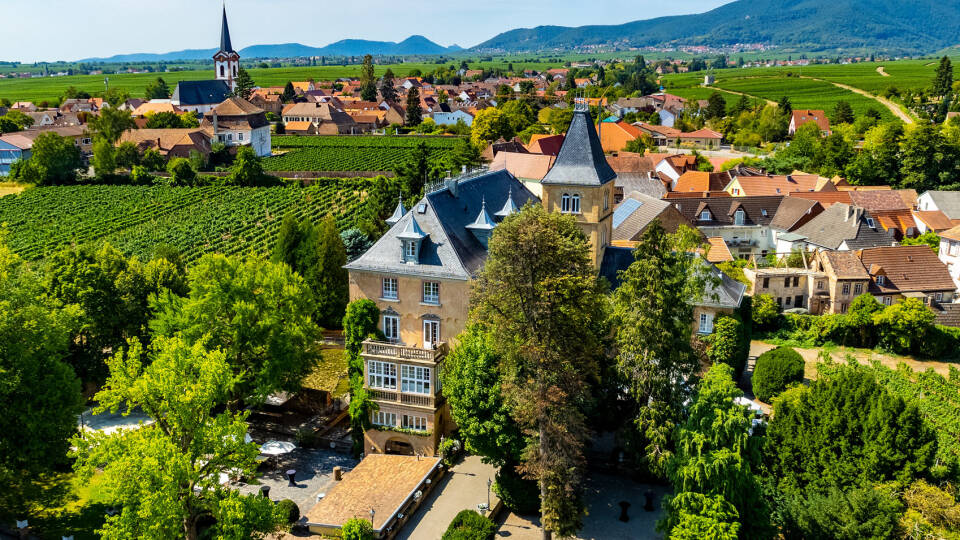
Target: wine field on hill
column 199, row 220
column 351, row 153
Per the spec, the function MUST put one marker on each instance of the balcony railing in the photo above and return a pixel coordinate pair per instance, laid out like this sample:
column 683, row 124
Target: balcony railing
column 404, row 352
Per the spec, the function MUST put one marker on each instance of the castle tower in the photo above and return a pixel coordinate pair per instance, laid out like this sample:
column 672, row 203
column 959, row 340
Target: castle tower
column 226, row 61
column 581, row 183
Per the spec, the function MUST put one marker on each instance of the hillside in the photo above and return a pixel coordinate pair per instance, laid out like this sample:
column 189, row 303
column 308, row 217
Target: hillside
column 413, row 45
column 896, row 26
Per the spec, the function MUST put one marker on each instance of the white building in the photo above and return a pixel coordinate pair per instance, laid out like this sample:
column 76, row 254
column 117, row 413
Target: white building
column 450, row 118
column 237, row 122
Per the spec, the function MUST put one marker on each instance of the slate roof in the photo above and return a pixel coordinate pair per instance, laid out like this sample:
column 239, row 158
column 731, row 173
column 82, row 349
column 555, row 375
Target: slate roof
column 201, row 92
column 635, row 213
column 449, row 249
column 907, row 269
column 225, row 44
column 581, row 160
column 947, row 202
column 758, row 210
column 651, row 186
column 843, row 223
column 792, row 210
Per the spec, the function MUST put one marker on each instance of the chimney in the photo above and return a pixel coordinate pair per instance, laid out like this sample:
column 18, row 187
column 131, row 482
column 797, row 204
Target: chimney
column 452, row 186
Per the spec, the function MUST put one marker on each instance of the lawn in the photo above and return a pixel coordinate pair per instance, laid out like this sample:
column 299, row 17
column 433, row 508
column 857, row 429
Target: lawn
column 70, row 507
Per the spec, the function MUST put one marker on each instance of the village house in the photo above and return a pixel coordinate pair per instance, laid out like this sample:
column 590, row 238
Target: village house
column 907, row 272
column 637, row 211
column 450, row 118
column 326, row 119
column 743, row 223
column 947, row 202
column 949, row 253
column 841, row 227
column 637, row 173
column 170, row 143
column 800, row 117
column 237, row 122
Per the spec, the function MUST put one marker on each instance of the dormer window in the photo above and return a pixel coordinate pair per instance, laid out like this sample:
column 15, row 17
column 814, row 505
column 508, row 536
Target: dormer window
column 881, row 281
column 705, row 215
column 738, row 217
column 871, row 223
column 410, row 249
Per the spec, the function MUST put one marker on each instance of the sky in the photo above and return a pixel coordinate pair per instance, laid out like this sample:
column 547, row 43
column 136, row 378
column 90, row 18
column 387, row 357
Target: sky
column 49, row 30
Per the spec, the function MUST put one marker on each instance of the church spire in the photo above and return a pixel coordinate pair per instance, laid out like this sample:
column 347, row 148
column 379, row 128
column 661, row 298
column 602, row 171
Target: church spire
column 225, row 44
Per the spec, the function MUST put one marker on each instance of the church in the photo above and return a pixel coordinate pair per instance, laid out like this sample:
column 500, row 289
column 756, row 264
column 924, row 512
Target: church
column 202, row 96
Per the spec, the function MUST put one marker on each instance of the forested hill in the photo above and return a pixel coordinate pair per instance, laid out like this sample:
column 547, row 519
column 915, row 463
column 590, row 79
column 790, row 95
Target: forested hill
column 896, row 26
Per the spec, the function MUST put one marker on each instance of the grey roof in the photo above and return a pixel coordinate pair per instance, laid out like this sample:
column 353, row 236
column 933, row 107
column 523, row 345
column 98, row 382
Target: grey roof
column 947, row 202
column 411, row 230
column 450, row 250
column 792, row 210
column 641, row 182
column 225, row 45
column 728, row 293
column 483, row 222
column 946, row 314
column 634, row 214
column 757, row 210
column 201, row 92
column 581, row 160
column 843, row 223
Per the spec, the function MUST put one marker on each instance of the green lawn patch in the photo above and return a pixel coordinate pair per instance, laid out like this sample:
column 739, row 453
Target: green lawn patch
column 330, row 374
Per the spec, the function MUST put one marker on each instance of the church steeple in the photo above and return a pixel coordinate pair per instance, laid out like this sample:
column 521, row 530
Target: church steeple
column 225, row 45
column 226, row 62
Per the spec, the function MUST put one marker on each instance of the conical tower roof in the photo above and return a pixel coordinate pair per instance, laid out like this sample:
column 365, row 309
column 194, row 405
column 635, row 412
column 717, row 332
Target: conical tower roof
column 509, row 207
column 483, row 221
column 225, row 44
column 397, row 214
column 581, row 161
column 412, row 231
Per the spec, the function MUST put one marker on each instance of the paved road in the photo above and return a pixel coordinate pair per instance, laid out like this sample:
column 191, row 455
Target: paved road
column 463, row 488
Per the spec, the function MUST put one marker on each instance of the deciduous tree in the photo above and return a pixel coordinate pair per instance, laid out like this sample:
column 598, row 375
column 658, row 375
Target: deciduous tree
column 53, row 160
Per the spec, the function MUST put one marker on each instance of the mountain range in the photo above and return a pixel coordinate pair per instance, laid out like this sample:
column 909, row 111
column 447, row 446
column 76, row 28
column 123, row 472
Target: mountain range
column 413, row 45
column 891, row 26
column 899, row 26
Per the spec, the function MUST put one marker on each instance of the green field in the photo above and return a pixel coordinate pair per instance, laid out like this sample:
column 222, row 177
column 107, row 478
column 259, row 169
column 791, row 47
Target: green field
column 351, row 153
column 195, row 220
column 804, row 93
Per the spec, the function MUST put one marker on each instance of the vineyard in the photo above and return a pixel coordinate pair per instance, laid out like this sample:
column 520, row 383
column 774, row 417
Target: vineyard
column 194, row 220
column 351, row 153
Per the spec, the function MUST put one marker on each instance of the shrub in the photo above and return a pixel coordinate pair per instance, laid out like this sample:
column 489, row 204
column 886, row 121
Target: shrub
column 903, row 326
column 765, row 311
column 469, row 525
column 289, row 509
column 450, row 450
column 726, row 343
column 775, row 371
column 357, row 529
column 517, row 493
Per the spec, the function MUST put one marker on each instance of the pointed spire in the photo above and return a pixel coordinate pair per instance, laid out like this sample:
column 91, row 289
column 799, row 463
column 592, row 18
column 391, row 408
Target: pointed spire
column 483, row 222
column 412, row 231
column 398, row 213
column 225, row 44
column 581, row 160
column 509, row 207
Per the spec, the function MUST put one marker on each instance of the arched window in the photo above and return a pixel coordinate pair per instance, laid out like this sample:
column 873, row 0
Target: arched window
column 565, row 202
column 221, row 70
column 234, row 70
column 575, row 204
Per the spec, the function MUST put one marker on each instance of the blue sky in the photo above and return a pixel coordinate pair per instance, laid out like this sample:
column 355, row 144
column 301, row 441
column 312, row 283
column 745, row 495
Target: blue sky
column 69, row 30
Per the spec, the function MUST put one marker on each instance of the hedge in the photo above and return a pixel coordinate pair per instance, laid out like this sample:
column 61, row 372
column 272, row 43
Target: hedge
column 517, row 493
column 469, row 525
column 776, row 370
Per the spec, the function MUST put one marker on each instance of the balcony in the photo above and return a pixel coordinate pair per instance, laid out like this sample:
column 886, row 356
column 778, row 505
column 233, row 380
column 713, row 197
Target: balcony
column 414, row 400
column 392, row 351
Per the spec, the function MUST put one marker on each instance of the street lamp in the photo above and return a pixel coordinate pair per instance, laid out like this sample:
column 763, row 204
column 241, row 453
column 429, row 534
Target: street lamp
column 489, row 484
column 372, row 513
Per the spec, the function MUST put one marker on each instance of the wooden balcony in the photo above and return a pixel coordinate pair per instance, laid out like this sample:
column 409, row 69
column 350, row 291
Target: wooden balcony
column 394, row 352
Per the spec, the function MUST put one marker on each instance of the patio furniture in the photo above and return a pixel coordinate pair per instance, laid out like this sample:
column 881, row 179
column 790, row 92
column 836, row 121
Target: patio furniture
column 291, row 475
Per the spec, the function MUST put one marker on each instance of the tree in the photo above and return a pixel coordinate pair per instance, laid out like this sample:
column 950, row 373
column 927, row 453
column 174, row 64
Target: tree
column 53, row 160
column 368, row 83
column 289, row 93
column 903, row 326
column 128, row 156
column 110, row 124
column 244, row 84
column 383, row 197
column 703, row 516
column 360, row 322
column 872, row 512
column 247, row 169
column 413, row 173
column 164, row 120
column 116, row 96
column 181, row 172
column 716, row 454
column 355, row 242
column 519, row 114
column 357, row 529
column 329, row 279
column 152, row 160
column 40, row 392
column 653, row 316
column 464, row 154
column 539, row 296
column 928, row 238
column 776, row 370
column 414, row 111
column 842, row 113
column 472, row 386
column 716, row 108
column 927, row 160
column 165, row 476
column 104, row 158
column 725, row 344
column 387, row 88
column 489, row 125
column 158, row 89
column 943, row 78
column 14, row 121
column 259, row 313
column 784, row 106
